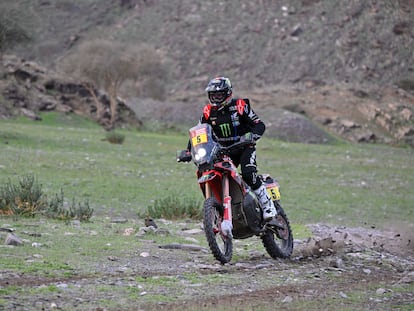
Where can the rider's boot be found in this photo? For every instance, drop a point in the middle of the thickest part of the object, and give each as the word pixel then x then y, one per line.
pixel 268 208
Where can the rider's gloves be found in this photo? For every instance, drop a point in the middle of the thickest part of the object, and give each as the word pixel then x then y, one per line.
pixel 248 137
pixel 183 156
pixel 226 228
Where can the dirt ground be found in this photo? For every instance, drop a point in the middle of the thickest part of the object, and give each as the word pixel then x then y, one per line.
pixel 341 268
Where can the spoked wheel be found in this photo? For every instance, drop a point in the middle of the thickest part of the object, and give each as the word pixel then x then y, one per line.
pixel 220 245
pixel 277 241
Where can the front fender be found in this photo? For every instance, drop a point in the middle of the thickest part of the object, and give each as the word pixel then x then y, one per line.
pixel 214 180
pixel 208 176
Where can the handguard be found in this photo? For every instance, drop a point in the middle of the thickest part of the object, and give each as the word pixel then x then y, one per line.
pixel 248 137
pixel 183 156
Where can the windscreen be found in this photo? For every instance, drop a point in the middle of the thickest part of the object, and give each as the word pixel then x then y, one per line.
pixel 203 144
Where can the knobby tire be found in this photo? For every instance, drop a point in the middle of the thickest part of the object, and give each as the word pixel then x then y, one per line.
pixel 220 246
pixel 280 244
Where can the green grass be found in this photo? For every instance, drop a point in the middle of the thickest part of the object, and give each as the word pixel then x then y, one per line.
pixel 89 242
pixel 117 179
pixel 342 184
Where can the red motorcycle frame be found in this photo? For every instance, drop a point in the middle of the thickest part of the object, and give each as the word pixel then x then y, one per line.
pixel 231 209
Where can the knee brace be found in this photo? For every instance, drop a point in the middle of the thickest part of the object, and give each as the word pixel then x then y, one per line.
pixel 249 175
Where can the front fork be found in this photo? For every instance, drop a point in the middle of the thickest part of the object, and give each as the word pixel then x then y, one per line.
pixel 227 222
pixel 226 200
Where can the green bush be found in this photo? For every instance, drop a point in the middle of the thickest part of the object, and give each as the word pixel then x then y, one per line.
pixel 28 199
pixel 56 209
pixel 115 138
pixel 174 207
pixel 406 84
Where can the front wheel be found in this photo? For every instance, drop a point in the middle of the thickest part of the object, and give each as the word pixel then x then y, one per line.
pixel 221 246
pixel 279 242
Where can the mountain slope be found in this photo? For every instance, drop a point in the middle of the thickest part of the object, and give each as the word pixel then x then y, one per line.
pixel 258 43
pixel 334 61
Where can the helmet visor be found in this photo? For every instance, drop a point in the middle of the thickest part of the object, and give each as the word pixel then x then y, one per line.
pixel 217 97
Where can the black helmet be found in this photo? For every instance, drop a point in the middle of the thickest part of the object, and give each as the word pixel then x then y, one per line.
pixel 219 91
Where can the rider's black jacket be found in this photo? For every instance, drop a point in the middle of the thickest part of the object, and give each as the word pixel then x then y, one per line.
pixel 232 121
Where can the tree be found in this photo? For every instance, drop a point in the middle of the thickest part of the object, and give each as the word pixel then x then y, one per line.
pixel 107 65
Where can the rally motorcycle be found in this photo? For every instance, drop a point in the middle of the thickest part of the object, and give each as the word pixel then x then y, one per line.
pixel 229 199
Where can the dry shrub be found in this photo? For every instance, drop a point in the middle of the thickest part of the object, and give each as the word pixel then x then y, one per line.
pixel 107 65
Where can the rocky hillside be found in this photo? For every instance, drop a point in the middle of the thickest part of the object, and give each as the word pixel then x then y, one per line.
pixel 257 43
pixel 345 66
pixel 28 88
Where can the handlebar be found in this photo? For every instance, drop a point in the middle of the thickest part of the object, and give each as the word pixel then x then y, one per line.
pixel 235 146
pixel 185 155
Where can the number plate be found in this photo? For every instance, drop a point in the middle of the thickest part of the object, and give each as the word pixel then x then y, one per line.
pixel 273 191
pixel 199 137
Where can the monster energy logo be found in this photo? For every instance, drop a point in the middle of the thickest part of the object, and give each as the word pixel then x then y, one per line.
pixel 225 129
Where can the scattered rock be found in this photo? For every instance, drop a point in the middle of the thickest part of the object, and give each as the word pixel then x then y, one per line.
pixel 296 31
pixel 76 223
pixel 192 240
pixel 192 231
pixel 337 263
pixel 7 229
pixel 190 247
pixel 401 28
pixel 380 291
pixel 366 271
pixel 150 222
pixel 119 220
pixel 159 231
pixel 343 295
pixel 128 231
pixel 12 239
pixel 30 114
pixel 407 279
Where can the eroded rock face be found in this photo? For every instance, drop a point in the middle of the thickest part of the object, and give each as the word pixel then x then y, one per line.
pixel 306 113
pixel 30 88
pixel 373 115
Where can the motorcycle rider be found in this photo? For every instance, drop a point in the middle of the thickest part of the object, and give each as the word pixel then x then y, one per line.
pixel 233 120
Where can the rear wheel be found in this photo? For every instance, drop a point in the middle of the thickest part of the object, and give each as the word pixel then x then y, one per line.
pixel 277 241
pixel 221 246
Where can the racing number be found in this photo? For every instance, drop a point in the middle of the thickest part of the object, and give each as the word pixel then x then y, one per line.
pixel 199 138
pixel 274 193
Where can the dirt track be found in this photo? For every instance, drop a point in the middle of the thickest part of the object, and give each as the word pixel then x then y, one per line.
pixel 361 269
